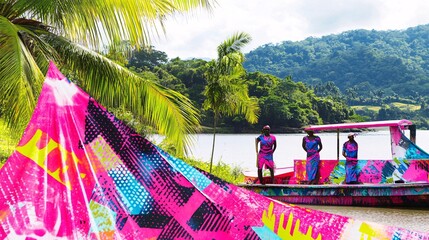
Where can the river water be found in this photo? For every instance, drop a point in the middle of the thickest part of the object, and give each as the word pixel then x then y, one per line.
pixel 239 150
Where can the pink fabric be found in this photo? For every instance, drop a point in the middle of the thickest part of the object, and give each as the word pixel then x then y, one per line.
pixel 265 163
pixel 266 147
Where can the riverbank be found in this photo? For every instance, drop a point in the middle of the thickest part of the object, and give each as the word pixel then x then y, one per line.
pixel 231 130
pixel 274 130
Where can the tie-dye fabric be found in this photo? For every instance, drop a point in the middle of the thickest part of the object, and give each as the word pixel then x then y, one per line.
pixel 313 156
pixel 80 173
pixel 265 155
pixel 351 151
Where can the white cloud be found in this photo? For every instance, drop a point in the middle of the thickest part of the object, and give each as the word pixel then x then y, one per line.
pixel 275 21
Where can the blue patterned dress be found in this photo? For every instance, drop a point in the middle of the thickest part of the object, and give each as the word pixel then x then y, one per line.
pixel 351 151
pixel 313 156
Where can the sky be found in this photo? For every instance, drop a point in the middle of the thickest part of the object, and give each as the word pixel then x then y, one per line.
pixel 198 34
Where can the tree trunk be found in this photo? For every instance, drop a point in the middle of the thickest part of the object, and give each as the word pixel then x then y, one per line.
pixel 214 140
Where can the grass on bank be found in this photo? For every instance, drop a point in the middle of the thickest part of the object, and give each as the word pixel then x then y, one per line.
pixel 364 107
pixel 231 174
pixel 221 170
pixel 7 145
pixel 402 106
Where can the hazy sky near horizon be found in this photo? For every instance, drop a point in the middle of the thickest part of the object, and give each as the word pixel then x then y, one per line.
pixel 197 35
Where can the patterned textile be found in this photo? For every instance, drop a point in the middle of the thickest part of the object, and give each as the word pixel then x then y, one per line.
pixel 80 173
pixel 265 155
pixel 351 151
pixel 313 156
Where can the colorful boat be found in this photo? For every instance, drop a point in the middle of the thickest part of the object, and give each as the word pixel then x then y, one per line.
pixel 401 181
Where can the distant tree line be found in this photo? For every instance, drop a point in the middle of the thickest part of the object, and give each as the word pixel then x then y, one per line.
pixel 371 68
pixel 396 62
pixel 285 104
pixel 318 80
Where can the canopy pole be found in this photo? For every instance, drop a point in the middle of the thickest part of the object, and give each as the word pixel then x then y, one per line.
pixel 338 144
pixel 412 129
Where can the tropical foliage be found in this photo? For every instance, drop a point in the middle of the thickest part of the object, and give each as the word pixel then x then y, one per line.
pixel 6 143
pixel 382 69
pixel 285 104
pixel 34 32
pixel 225 92
pixel 365 65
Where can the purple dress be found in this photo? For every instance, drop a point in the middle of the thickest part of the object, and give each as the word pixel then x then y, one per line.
pixel 265 156
pixel 313 156
pixel 351 151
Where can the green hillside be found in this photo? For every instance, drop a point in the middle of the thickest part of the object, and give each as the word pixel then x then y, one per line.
pixel 6 143
pixel 362 62
pixel 380 74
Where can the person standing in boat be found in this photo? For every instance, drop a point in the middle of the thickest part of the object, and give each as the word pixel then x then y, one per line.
pixel 264 153
pixel 350 152
pixel 312 144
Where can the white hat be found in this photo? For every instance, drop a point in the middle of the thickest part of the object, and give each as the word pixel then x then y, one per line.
pixel 351 135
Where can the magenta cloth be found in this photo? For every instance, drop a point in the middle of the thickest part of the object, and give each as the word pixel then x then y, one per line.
pixel 313 156
pixel 265 155
pixel 78 172
pixel 351 151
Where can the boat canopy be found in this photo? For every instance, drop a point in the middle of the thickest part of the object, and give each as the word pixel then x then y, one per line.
pixel 395 126
pixel 375 124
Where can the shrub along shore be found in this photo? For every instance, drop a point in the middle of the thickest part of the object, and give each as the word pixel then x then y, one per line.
pixel 7 144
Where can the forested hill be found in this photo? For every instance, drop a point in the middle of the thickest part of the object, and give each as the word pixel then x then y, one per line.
pixel 395 63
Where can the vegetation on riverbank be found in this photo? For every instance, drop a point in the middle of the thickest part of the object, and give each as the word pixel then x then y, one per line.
pixel 7 144
pixel 221 170
pixel 354 76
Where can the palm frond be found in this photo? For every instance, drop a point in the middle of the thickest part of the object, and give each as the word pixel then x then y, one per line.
pixel 29 27
pixel 20 77
pixel 171 113
pixel 104 22
pixel 225 92
pixel 233 44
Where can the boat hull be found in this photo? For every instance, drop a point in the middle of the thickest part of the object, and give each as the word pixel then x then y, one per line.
pixel 412 195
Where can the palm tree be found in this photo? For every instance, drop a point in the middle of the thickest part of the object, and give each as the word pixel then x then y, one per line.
pixel 33 32
pixel 225 92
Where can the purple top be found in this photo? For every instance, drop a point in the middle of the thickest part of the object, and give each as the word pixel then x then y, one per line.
pixel 267 143
pixel 351 150
pixel 312 145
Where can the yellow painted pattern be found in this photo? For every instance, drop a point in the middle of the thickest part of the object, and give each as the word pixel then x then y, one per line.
pixel 101 150
pixel 40 155
pixel 269 220
pixel 104 218
pixel 369 232
pixel 284 233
